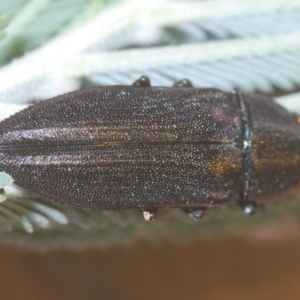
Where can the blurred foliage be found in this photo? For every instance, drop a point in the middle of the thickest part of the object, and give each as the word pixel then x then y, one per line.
pixel 35 22
pixel 4 21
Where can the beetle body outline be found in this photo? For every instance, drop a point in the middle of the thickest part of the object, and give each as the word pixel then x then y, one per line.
pixel 142 147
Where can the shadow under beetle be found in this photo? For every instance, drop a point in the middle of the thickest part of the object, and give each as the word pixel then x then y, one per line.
pixel 142 147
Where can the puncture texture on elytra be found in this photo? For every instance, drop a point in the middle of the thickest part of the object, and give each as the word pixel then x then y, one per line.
pixel 142 147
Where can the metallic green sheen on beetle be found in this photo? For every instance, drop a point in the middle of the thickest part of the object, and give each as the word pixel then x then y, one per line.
pixel 142 147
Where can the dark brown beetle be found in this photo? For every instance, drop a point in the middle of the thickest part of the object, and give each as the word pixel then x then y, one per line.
pixel 142 147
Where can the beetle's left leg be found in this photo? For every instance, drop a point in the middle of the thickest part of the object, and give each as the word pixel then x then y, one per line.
pixel 144 81
pixel 195 213
pixel 183 83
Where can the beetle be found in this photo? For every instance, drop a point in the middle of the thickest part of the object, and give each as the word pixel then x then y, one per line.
pixel 143 147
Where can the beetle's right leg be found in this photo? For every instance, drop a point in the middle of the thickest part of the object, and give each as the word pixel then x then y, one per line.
pixel 196 213
pixel 149 214
pixel 248 207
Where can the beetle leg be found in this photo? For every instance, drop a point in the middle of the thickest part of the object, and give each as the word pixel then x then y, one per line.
pixel 195 213
pixel 143 81
pixel 248 207
pixel 183 83
pixel 149 214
